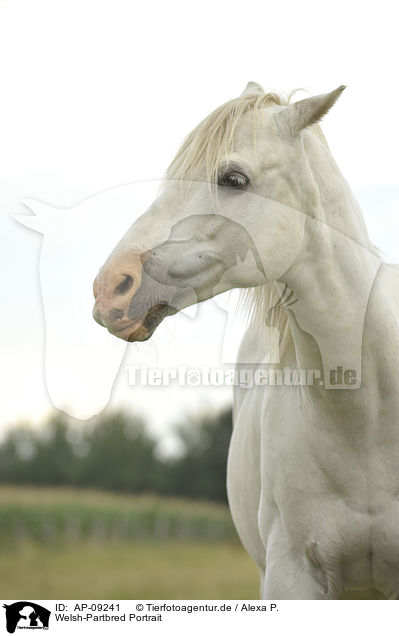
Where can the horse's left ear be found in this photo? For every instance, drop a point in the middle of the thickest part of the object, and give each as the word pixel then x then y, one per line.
pixel 306 112
pixel 252 88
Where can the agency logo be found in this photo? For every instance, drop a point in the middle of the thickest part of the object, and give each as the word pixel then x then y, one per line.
pixel 26 615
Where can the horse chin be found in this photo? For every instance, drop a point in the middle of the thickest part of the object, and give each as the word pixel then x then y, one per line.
pixel 144 329
pixel 141 334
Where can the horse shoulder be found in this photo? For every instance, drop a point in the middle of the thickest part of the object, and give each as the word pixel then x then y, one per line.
pixel 390 274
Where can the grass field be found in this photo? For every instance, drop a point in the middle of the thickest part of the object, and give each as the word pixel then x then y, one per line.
pixel 60 544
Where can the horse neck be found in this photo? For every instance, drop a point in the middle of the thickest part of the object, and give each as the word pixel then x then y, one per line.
pixel 337 206
pixel 333 275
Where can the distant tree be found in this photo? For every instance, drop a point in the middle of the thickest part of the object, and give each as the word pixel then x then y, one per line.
pixel 114 451
pixel 16 453
pixel 201 470
pixel 121 454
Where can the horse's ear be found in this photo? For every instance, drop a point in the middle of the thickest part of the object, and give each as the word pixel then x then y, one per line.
pixel 306 112
pixel 252 88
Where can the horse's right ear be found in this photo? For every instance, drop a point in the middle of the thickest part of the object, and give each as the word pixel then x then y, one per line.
pixel 306 112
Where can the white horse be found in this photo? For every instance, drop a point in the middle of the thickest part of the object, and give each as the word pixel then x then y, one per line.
pixel 254 200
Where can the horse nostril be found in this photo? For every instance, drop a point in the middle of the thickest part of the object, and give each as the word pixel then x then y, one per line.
pixel 115 314
pixel 124 286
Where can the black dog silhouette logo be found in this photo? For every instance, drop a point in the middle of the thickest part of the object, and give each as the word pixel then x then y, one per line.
pixel 26 615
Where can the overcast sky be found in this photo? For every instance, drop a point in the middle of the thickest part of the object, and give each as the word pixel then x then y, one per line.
pixel 95 94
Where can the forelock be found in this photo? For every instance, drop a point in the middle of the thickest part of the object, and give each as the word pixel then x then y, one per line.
pixel 213 138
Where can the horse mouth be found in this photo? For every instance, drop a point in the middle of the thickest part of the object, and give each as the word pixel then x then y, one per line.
pixel 139 331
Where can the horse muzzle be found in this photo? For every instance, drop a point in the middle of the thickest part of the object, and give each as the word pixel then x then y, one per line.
pixel 128 302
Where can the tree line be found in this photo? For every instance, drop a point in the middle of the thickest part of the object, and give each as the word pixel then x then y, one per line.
pixel 115 451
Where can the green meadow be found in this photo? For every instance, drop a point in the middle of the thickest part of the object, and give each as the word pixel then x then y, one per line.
pixel 81 544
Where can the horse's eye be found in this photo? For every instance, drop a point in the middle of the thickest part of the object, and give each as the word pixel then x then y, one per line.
pixel 234 179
